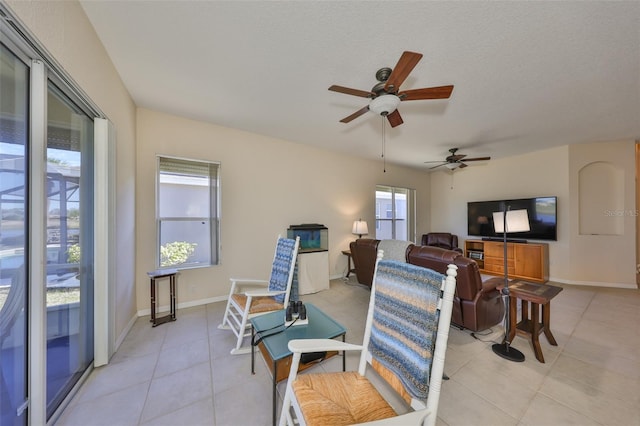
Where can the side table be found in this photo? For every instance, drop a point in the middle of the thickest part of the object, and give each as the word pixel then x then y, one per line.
pixel 156 275
pixel 532 295
pixel 349 268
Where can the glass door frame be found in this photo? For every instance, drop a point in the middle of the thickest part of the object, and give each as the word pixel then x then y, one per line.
pixel 44 68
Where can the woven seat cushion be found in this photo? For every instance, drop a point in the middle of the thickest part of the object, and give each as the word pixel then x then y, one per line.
pixel 258 304
pixel 339 399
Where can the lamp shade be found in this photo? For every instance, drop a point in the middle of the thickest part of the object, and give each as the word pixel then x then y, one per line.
pixel 360 228
pixel 517 221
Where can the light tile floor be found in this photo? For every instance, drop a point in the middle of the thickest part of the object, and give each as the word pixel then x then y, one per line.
pixel 181 373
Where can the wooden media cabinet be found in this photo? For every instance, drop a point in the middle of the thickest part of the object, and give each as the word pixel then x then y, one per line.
pixel 525 261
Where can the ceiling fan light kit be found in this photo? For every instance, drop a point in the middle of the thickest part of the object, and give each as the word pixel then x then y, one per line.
pixel 384 105
pixel 452 166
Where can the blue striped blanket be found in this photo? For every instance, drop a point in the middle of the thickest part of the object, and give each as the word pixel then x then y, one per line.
pixel 405 322
pixel 281 266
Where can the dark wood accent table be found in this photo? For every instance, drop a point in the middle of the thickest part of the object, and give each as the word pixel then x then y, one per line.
pixel 349 268
pixel 534 295
pixel 156 275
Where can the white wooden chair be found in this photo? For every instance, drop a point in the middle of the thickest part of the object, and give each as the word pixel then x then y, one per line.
pixel 405 340
pixel 264 296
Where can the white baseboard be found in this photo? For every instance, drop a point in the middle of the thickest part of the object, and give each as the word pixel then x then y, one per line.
pixel 594 283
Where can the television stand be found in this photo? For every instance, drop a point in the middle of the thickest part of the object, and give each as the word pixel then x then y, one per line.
pixel 526 261
pixel 509 240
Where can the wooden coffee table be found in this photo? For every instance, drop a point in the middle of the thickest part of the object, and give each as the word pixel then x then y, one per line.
pixel 275 346
pixel 532 295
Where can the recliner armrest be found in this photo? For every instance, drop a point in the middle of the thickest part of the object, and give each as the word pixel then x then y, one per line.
pixel 492 284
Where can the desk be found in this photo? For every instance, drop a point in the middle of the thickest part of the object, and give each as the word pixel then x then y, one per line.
pixel 349 269
pixel 532 295
pixel 275 349
pixel 156 275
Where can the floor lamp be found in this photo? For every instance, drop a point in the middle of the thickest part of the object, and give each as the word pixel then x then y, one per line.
pixel 508 221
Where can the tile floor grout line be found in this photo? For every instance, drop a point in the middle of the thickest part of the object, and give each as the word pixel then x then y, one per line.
pixel 209 345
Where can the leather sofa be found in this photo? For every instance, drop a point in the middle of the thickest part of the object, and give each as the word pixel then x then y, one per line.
pixel 477 305
pixel 443 240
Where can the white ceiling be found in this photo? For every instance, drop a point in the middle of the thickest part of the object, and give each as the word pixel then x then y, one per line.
pixel 527 75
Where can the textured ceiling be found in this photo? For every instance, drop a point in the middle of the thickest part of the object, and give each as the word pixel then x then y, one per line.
pixel 527 75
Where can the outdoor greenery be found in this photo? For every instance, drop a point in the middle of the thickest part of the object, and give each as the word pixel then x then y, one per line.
pixel 176 253
pixel 55 296
pixel 63 295
pixel 73 254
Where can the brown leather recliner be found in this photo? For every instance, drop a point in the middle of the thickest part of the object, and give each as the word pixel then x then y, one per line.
pixel 364 252
pixel 476 305
pixel 443 240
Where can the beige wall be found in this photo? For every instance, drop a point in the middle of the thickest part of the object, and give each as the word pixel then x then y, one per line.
pixel 604 258
pixel 267 185
pixel 64 30
pixel 576 259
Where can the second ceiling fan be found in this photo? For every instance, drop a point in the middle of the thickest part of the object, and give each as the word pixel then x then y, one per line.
pixel 455 161
pixel 386 94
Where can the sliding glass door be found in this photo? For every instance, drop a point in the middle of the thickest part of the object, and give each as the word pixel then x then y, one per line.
pixel 64 245
pixel 69 245
pixel 14 106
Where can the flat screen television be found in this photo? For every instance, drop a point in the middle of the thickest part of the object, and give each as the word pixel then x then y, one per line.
pixel 542 213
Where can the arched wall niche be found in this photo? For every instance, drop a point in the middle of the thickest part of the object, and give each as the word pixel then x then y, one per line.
pixel 601 199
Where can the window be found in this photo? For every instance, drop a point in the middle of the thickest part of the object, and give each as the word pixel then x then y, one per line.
pixel 395 216
pixel 187 213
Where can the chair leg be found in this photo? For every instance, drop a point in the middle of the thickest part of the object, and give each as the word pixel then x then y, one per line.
pixel 285 414
pixel 225 325
pixel 238 350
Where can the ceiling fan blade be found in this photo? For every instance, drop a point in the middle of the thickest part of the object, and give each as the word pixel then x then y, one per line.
pixel 395 119
pixel 349 91
pixel 355 115
pixel 439 165
pixel 403 68
pixel 440 92
pixel 478 159
pixel 462 166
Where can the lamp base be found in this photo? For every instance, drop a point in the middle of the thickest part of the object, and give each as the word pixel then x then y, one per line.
pixel 508 352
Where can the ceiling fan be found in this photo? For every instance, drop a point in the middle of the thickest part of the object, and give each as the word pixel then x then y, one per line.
pixel 386 94
pixel 455 161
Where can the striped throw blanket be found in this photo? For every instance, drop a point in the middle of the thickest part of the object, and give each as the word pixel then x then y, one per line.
pixel 281 265
pixel 405 322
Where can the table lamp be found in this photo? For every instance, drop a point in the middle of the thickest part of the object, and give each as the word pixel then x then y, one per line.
pixel 360 228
